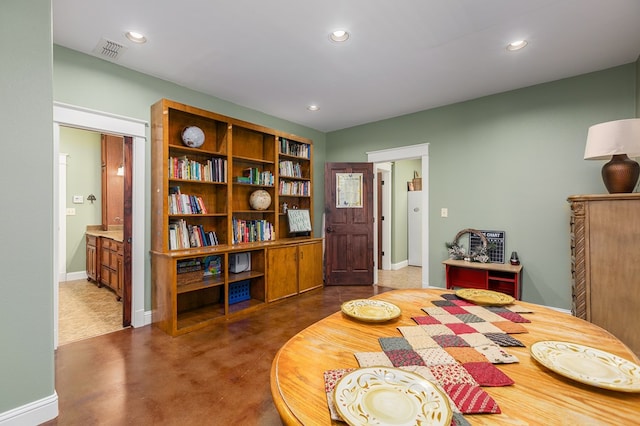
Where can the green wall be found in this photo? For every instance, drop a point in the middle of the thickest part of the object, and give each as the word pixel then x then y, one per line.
pixel 508 162
pixel 89 82
pixel 84 177
pixel 26 252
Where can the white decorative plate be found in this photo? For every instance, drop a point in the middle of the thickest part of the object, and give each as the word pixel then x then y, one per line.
pixel 390 396
pixel 484 297
pixel 370 310
pixel 588 365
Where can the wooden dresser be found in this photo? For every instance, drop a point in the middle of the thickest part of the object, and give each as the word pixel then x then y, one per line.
pixel 605 263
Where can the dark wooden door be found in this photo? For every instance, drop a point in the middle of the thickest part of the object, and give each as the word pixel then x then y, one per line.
pixel 126 230
pixel 349 223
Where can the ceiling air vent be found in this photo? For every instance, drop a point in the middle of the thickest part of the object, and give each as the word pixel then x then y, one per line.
pixel 108 49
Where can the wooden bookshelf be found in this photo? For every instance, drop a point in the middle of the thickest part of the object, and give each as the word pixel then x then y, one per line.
pixel 219 219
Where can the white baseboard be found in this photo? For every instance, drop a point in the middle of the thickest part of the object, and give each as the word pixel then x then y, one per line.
pixel 33 413
pixel 72 276
pixel 400 265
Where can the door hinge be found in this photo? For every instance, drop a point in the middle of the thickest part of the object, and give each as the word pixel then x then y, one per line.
pixel 381 217
pixel 382 253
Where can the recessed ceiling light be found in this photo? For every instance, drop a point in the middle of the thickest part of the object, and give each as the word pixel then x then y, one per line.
pixel 516 45
pixel 339 36
pixel 313 107
pixel 136 37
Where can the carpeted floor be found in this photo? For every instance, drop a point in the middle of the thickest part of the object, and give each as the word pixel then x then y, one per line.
pixel 86 311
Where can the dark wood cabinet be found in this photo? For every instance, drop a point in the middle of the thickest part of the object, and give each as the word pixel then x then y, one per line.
pixel 111 271
pixel 604 263
pixel 92 258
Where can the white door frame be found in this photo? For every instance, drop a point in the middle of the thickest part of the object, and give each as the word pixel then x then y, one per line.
pixel 102 122
pixel 410 152
pixel 385 170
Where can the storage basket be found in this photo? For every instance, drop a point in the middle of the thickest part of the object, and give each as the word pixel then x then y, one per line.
pixel 239 291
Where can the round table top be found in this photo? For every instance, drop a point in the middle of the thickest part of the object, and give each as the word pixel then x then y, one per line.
pixel 539 396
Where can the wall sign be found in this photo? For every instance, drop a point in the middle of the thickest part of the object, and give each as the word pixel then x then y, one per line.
pixel 348 190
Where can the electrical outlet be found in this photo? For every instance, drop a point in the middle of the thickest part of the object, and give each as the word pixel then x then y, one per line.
pixel 71 211
pixel 444 212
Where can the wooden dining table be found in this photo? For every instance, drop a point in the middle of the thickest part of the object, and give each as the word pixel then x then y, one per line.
pixel 539 396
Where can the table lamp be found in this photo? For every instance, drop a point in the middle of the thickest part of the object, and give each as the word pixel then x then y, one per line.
pixel 616 140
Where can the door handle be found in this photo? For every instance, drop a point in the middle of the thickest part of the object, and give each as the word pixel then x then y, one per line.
pixel 329 229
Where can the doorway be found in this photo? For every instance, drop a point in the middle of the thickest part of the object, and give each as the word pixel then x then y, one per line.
pixel 77 117
pixel 92 195
pixel 380 158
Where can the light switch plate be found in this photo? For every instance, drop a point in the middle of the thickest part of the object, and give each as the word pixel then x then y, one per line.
pixel 78 199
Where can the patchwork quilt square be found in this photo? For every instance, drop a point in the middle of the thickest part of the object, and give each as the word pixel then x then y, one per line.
pixel 496 355
pixel 453 310
pixel 486 374
pixel 466 355
pixel 510 327
pixel 442 303
pixel 422 342
pixel 485 327
pixel 435 311
pixel 371 359
pixel 469 318
pixel 476 339
pixel 482 312
pixel 452 374
pixel 461 328
pixel 435 356
pixel 437 329
pixel 393 343
pixel 471 399
pixel 404 357
pixel 503 339
pixel 425 320
pixel 448 340
pixel 412 330
pixel 514 317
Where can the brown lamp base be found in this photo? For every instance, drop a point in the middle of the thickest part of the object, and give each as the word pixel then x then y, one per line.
pixel 620 175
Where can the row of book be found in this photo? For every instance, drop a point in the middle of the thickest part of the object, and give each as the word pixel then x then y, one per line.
pixel 290 169
pixel 247 231
pixel 252 175
pixel 295 188
pixel 188 265
pixel 185 204
pixel 183 235
pixel 213 170
pixel 296 149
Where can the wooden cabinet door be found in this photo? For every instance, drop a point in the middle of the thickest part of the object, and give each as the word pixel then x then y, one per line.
pixel 92 258
pixel 282 272
pixel 310 266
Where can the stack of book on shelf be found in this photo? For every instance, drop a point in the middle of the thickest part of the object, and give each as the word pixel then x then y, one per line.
pixel 188 271
pixel 290 169
pixel 247 231
pixel 183 235
pixel 294 188
pixel 213 170
pixel 185 204
pixel 295 149
pixel 252 175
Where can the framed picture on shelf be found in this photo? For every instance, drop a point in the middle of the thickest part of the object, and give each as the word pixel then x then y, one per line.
pixel 299 221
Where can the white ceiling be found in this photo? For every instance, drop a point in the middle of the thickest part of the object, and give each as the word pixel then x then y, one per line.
pixel 403 56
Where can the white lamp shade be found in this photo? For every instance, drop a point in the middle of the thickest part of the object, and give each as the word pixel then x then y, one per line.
pixel 612 138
